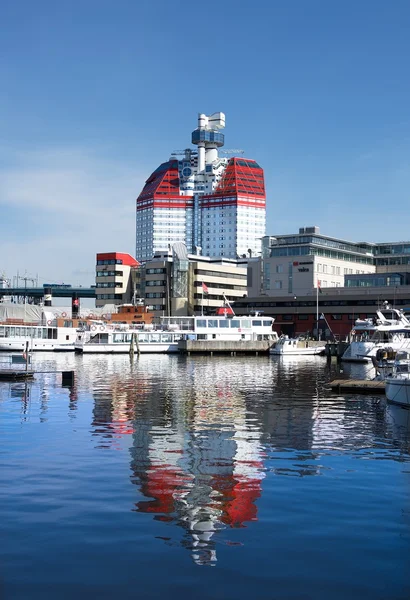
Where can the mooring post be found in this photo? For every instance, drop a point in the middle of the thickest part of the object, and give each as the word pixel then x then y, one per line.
pixel 68 378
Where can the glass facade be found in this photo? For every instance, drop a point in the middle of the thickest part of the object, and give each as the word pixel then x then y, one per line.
pixel 377 280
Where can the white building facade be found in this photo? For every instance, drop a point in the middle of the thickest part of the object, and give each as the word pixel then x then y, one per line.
pixel 203 200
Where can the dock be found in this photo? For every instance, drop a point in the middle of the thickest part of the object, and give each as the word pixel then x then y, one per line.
pixel 361 386
pixel 15 374
pixel 335 349
pixel 224 347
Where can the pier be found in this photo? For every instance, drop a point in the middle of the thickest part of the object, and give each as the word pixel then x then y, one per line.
pixel 224 347
pixel 335 349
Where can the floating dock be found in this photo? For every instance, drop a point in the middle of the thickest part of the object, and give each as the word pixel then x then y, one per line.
pixel 224 347
pixel 15 374
pixel 361 386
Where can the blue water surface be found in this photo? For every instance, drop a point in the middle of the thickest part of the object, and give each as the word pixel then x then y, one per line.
pixel 203 477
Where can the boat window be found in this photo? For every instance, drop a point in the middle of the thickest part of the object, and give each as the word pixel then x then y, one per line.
pixel 267 323
pixel 201 323
pixel 128 337
pixel 118 338
pixel 235 323
pixel 155 338
pixel 224 323
pixel 402 368
pixel 212 323
pixel 257 323
pixel 246 323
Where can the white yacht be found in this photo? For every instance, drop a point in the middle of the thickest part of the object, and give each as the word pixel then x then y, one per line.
pixel 390 330
pixel 398 382
pixel 297 346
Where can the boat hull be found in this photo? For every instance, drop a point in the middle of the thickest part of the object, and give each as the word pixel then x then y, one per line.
pixel 398 390
pixel 297 351
pixel 143 348
pixel 36 346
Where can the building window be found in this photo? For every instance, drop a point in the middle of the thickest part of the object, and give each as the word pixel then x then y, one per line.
pixel 278 285
pixel 279 268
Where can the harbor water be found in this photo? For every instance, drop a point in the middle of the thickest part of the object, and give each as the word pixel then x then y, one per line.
pixel 201 477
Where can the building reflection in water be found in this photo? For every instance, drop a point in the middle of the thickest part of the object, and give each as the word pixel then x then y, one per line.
pixel 202 433
pixel 200 465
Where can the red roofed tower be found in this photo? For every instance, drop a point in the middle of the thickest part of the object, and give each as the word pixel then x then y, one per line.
pixel 203 200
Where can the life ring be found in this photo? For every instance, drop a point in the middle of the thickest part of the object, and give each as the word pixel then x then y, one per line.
pixel 63 314
pixel 49 322
pixel 93 328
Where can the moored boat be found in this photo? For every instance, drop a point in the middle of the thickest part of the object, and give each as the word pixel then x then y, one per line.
pixel 44 332
pixel 390 330
pixel 398 382
pixel 165 336
pixel 297 346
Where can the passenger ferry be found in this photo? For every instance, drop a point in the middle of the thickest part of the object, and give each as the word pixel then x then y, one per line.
pixel 47 333
pixel 164 337
pixel 390 330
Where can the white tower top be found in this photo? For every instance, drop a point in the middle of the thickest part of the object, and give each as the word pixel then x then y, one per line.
pixel 207 137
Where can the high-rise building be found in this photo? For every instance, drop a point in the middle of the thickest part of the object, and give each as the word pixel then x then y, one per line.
pixel 206 201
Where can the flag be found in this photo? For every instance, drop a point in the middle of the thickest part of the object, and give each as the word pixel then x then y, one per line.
pixel 204 288
pixel 318 287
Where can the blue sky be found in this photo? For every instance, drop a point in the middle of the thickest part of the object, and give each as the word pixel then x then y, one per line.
pixel 95 94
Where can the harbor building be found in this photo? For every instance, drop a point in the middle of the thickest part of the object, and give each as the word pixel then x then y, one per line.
pixel 302 275
pixel 206 201
pixel 295 264
pixel 173 282
pixel 113 280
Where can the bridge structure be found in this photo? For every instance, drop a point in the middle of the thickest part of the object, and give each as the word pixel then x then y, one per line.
pixel 36 294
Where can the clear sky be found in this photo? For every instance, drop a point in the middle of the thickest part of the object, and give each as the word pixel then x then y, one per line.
pixel 96 94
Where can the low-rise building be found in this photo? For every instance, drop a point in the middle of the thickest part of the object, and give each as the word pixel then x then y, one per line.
pixel 113 278
pixel 172 283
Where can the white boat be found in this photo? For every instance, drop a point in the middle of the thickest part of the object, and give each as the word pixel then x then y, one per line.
pixel 297 346
pixel 390 330
pixel 41 331
pixel 165 336
pixel 398 382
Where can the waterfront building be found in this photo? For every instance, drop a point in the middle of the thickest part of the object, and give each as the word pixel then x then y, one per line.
pixel 301 275
pixel 176 282
pixel 113 281
pixel 173 282
pixel 203 200
pixel 337 308
pixel 295 264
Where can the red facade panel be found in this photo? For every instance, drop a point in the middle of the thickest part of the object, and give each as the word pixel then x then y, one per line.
pixel 127 259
